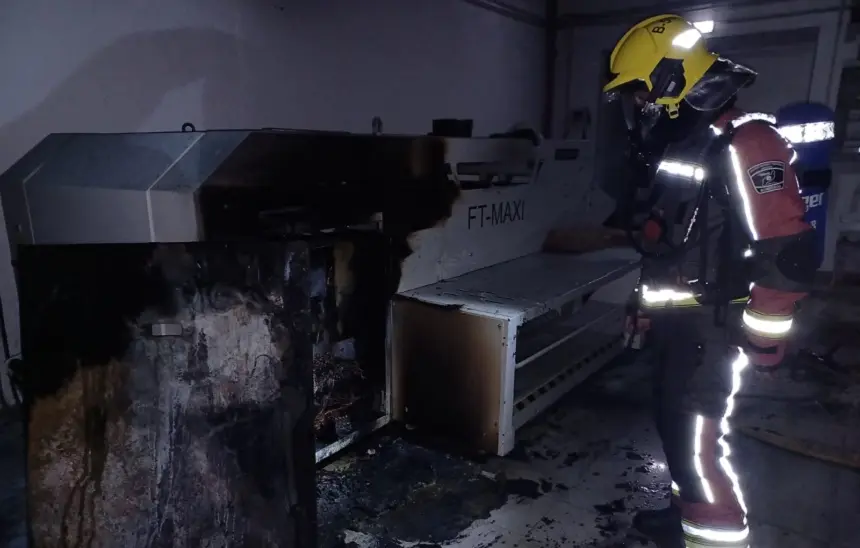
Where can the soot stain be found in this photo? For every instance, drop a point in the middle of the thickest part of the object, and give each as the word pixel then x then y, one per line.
pixel 407 493
pixel 523 488
pixel 613 507
pixel 572 458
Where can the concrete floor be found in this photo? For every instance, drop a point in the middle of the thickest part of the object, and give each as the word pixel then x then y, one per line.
pixel 794 502
pixel 577 475
pixel 595 460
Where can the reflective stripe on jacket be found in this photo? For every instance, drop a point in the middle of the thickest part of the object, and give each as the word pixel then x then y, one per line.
pixel 655 298
pixel 767 326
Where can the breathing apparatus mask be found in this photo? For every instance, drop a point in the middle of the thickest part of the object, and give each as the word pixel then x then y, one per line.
pixel 639 113
pixel 650 126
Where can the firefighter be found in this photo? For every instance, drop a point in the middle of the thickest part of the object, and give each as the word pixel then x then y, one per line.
pixel 727 256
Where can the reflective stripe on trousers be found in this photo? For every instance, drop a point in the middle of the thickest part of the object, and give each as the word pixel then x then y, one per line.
pixel 718 480
pixel 696 536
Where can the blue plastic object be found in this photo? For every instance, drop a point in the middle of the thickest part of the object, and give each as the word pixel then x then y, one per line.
pixel 816 215
pixel 810 128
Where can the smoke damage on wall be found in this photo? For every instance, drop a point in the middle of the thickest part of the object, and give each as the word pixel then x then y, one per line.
pixel 168 391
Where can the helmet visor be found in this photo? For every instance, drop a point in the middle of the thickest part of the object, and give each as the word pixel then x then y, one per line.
pixel 719 84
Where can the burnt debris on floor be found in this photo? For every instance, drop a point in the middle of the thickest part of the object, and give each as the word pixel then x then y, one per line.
pixel 399 492
pixel 560 488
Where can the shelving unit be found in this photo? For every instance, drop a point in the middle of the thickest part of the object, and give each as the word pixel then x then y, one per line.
pixel 476 357
pixel 592 337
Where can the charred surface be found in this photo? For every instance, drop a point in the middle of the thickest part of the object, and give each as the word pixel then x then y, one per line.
pixel 275 181
pixel 402 494
pixel 168 395
pixel 350 291
pixel 277 184
pixel 268 189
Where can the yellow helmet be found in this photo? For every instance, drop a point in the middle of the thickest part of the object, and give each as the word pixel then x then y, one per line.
pixel 664 52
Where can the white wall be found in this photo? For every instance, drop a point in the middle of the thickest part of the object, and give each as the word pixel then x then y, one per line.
pixel 148 65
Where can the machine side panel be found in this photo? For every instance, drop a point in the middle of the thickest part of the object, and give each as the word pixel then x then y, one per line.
pixel 71 215
pixel 448 372
pixel 169 392
pixel 12 184
pixel 127 161
pixel 501 223
pixel 174 217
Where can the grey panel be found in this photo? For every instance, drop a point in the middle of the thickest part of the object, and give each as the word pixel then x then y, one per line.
pixel 49 147
pixel 15 209
pixel 174 217
pixel 120 161
pixel 199 162
pixel 69 215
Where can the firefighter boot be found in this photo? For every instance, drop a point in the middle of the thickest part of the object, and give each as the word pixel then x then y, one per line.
pixel 707 525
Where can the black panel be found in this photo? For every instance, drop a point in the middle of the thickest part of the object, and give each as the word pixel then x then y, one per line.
pixel 317 181
pixel 168 395
pixel 566 154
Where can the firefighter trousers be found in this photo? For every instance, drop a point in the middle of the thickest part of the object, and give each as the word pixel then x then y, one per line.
pixel 698 368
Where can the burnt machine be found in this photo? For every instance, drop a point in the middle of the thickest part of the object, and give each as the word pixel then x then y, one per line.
pixel 202 313
pixel 207 315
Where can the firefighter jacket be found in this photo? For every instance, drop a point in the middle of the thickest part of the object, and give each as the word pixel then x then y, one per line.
pixel 730 214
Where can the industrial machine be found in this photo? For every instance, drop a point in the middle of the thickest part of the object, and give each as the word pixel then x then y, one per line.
pixel 206 315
